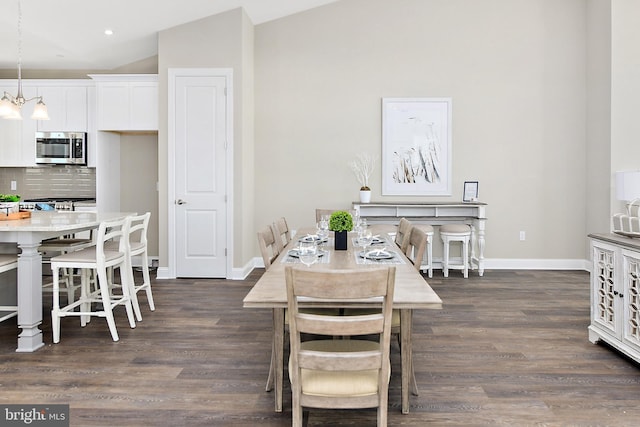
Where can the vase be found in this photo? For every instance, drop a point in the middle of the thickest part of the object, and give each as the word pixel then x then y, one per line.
pixel 340 239
pixel 365 196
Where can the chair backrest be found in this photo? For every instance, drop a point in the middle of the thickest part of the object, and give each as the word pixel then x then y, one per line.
pixel 283 234
pixel 340 285
pixel 402 235
pixel 111 230
pixel 417 244
pixel 269 248
pixel 137 226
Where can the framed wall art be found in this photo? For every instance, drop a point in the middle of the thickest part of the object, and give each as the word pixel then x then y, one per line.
pixel 416 146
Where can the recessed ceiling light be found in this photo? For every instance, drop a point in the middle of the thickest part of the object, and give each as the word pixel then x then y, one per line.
pixel 108 32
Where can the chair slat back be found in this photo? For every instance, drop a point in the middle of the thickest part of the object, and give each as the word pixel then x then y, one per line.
pixel 402 235
pixel 417 244
pixel 111 230
pixel 343 285
pixel 283 234
pixel 268 247
pixel 138 226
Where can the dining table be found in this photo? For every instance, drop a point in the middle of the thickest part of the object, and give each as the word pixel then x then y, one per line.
pixel 28 234
pixel 412 292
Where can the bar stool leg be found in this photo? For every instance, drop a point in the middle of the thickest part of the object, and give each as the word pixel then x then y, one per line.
pixel 445 263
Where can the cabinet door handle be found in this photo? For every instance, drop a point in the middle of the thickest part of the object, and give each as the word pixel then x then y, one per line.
pixel 180 202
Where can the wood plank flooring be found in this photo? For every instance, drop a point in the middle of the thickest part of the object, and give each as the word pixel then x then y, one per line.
pixel 507 349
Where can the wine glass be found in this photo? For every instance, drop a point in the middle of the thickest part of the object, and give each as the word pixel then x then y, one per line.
pixel 365 239
pixel 308 253
pixel 323 229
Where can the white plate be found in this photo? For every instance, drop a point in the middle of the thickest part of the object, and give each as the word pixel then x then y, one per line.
pixel 294 253
pixel 377 256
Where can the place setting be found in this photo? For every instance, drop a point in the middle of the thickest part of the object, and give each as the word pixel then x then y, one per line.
pixel 377 255
pixel 307 252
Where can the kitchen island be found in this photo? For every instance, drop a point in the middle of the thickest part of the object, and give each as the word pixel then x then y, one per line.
pixel 28 234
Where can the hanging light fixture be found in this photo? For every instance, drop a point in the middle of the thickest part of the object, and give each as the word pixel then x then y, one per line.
pixel 11 106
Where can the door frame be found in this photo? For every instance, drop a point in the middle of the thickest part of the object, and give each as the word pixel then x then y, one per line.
pixel 174 73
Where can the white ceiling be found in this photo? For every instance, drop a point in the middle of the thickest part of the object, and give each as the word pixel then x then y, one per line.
pixel 69 34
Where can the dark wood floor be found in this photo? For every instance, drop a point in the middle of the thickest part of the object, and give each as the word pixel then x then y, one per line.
pixel 509 348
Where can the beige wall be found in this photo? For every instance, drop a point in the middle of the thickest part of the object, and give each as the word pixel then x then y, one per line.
pixel 625 89
pixel 139 175
pixel 514 69
pixel 598 178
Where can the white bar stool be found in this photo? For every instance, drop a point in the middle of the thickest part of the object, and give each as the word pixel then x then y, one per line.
pixel 455 233
pixel 428 230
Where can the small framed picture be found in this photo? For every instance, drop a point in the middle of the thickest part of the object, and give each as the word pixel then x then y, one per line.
pixel 470 193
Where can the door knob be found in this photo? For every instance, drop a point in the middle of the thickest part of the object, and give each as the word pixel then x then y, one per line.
pixel 180 202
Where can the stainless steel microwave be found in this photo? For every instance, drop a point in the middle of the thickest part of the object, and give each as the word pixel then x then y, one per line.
pixel 61 148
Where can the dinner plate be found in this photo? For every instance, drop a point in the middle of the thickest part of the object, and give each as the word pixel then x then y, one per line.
pixel 312 239
pixel 374 241
pixel 377 256
pixel 295 253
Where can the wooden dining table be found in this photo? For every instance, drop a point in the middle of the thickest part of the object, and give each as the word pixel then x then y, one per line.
pixel 412 292
pixel 28 234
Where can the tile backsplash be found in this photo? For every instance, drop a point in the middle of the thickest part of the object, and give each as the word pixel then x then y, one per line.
pixel 49 181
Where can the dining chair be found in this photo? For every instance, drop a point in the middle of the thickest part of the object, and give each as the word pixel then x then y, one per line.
pixel 136 227
pixel 402 234
pixel 268 245
pixel 8 263
pixel 282 232
pixel 339 373
pixel 100 259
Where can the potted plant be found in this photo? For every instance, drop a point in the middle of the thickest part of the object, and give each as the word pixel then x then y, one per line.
pixel 362 167
pixel 340 223
pixel 9 203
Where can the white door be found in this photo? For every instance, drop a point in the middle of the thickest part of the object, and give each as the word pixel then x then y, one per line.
pixel 200 176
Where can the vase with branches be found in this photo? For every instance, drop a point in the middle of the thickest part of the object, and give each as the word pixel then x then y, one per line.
pixel 362 168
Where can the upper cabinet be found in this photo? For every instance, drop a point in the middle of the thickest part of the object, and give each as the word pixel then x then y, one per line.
pixel 127 102
pixel 67 106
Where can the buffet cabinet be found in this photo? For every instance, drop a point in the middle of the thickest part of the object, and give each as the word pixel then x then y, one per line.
pixel 615 292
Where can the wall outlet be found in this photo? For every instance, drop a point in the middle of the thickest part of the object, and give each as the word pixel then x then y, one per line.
pixel 14 185
pixel 522 236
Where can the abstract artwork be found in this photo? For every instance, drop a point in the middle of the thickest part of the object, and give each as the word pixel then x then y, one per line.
pixel 416 146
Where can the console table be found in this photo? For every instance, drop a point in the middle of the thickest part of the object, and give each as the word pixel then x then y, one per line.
pixel 471 213
pixel 615 292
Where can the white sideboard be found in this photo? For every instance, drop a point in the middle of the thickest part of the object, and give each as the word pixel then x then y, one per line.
pixel 471 213
pixel 615 292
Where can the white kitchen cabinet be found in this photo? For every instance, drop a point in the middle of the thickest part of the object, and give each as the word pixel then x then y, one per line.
pixel 17 137
pixel 127 102
pixel 67 106
pixel 615 293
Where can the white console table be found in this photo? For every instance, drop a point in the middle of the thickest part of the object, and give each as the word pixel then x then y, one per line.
pixel 471 213
pixel 615 292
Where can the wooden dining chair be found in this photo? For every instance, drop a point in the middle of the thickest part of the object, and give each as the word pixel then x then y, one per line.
pixel 282 232
pixel 402 234
pixel 8 263
pixel 339 373
pixel 268 245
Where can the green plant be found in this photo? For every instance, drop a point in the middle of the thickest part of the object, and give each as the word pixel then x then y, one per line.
pixel 9 197
pixel 340 221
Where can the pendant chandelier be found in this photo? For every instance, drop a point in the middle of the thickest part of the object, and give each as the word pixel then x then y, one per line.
pixel 11 106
